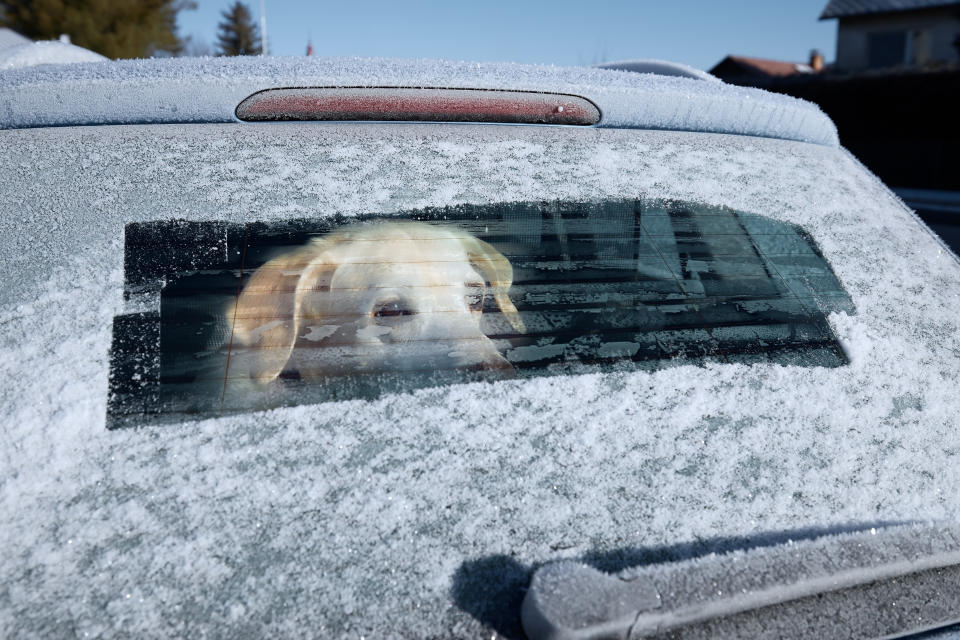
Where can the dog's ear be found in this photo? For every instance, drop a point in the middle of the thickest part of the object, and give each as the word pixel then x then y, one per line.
pixel 495 269
pixel 267 316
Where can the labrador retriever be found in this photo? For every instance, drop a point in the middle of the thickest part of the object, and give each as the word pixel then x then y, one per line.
pixel 389 296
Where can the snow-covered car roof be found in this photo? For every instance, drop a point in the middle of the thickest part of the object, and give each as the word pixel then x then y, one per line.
pixel 658 67
pixel 209 90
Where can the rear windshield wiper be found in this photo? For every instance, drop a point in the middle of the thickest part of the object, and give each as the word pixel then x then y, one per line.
pixel 881 583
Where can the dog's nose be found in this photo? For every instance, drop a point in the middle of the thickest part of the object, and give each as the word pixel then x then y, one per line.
pixel 393 309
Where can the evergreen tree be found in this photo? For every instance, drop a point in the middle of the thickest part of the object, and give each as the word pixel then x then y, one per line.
pixel 114 28
pixel 238 35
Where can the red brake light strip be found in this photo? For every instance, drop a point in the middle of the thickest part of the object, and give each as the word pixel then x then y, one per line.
pixel 417 105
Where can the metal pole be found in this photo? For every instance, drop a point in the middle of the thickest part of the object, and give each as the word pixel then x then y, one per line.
pixel 263 27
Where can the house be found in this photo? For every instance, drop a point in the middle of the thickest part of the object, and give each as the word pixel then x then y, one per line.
pixel 757 71
pixel 877 34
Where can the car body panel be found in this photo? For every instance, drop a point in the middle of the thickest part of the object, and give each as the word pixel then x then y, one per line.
pixel 422 514
pixel 209 90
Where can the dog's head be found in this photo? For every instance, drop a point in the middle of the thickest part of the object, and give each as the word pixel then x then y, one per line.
pixel 387 296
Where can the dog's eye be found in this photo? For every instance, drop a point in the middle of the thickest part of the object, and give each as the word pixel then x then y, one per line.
pixel 391 309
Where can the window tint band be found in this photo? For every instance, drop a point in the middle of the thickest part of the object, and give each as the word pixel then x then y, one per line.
pixel 224 317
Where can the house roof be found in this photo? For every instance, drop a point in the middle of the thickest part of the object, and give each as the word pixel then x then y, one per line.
pixel 10 38
pixel 844 8
pixel 762 67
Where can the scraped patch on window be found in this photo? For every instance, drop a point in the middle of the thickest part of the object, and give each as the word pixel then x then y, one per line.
pixel 224 317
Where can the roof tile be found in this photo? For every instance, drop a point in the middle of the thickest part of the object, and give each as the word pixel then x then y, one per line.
pixel 844 8
pixel 772 67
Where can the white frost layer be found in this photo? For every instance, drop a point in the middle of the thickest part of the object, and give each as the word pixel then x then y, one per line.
pixel 46 52
pixel 209 90
pixel 359 517
pixel 660 67
pixel 10 38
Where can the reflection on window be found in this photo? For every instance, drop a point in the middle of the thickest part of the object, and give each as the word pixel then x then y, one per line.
pixel 228 317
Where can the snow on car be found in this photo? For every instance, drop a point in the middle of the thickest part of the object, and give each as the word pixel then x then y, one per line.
pixel 696 325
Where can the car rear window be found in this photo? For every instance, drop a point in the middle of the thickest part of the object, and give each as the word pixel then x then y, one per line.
pixel 225 317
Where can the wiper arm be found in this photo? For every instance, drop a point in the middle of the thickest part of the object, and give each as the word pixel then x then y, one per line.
pixel 879 583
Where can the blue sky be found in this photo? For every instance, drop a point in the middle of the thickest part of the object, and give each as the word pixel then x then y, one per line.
pixel 563 32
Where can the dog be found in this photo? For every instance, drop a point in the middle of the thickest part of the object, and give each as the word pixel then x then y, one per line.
pixel 388 296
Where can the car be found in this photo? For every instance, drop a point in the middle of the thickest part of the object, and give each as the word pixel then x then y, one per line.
pixel 385 348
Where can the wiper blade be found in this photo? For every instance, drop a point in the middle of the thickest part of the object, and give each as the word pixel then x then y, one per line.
pixel 880 583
